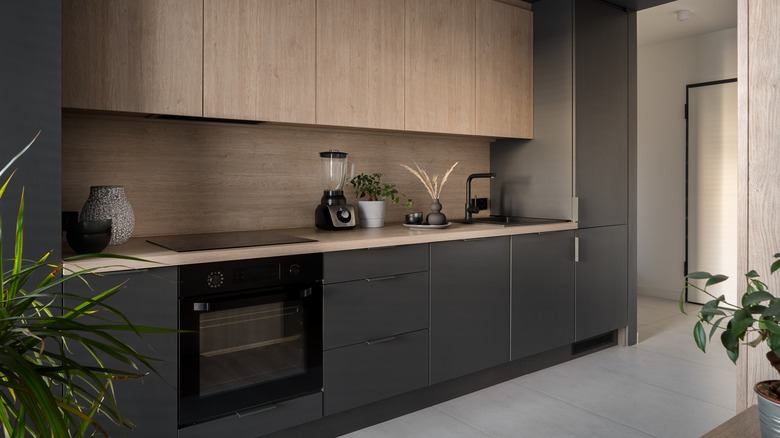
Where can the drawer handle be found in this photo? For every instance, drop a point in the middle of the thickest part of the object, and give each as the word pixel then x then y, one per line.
pixel 381 340
pixel 259 410
pixel 389 277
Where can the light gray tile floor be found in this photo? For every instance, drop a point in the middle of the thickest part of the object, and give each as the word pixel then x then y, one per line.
pixel 661 387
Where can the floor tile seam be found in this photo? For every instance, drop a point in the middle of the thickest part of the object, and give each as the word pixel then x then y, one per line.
pixel 470 426
pixel 658 323
pixel 641 379
pixel 649 350
pixel 582 408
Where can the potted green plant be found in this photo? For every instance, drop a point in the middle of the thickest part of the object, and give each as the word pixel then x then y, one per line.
pixel 755 320
pixel 371 210
pixel 43 390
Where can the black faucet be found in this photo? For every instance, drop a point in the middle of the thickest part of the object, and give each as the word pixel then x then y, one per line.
pixel 471 209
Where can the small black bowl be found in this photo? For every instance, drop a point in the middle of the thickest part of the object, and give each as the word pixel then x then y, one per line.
pixel 89 236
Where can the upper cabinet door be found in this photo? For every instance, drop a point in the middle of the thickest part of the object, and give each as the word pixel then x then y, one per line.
pixel 440 84
pixel 133 55
pixel 360 63
pixel 504 70
pixel 259 60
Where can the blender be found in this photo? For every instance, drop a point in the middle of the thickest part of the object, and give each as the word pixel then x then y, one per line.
pixel 334 213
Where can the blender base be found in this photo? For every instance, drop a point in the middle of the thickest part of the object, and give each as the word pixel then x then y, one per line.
pixel 335 217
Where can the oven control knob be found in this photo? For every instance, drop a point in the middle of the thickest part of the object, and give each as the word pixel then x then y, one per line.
pixel 295 270
pixel 215 279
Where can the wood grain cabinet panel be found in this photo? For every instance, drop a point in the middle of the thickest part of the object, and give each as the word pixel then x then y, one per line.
pixel 440 76
pixel 133 55
pixel 259 60
pixel 504 84
pixel 360 63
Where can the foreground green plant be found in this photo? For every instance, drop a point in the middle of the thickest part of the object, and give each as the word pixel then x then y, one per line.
pixel 756 319
pixel 43 390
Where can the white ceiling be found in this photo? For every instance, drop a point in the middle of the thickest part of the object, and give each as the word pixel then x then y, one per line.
pixel 659 24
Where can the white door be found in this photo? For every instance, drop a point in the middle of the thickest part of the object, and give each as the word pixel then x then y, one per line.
pixel 712 186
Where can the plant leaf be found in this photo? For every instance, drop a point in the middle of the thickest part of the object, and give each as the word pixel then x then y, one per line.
pixel 756 297
pixel 715 279
pixel 771 326
pixel 741 321
pixel 731 343
pixel 698 275
pixel 700 336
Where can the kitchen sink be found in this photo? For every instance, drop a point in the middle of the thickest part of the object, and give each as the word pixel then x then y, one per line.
pixel 511 221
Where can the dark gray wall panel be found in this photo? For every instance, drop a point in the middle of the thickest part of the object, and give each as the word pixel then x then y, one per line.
pixel 534 177
pixel 601 108
pixel 30 41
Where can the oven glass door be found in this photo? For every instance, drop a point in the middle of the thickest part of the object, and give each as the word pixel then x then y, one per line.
pixel 248 349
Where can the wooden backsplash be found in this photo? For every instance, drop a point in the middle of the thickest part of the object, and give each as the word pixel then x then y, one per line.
pixel 198 177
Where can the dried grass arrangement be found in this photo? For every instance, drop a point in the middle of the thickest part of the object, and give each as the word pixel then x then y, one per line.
pixel 432 185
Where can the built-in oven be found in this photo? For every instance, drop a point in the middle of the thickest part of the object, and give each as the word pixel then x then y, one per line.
pixel 251 335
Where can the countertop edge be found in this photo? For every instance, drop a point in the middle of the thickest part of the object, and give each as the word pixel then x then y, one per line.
pixel 326 241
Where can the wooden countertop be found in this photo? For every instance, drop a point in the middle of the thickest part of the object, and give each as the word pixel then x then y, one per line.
pixel 393 234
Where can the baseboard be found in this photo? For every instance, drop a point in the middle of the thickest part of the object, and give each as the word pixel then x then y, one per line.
pixel 658 293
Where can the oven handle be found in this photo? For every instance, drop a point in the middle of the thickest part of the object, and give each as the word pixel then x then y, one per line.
pixel 253 411
pixel 201 307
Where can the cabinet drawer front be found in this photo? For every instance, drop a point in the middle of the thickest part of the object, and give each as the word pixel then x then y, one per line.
pixel 375 262
pixel 363 373
pixel 359 311
pixel 280 416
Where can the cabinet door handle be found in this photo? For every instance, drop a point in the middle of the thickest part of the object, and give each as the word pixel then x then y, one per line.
pixel 389 277
pixel 253 411
pixel 381 340
pixel 576 249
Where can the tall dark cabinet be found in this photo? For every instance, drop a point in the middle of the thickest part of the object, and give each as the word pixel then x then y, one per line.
pixel 30 43
pixel 581 163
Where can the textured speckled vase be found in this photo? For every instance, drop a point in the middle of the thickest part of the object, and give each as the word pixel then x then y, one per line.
pixel 436 217
pixel 110 202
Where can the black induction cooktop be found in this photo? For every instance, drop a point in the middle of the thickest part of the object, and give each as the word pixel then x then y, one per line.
pixel 236 239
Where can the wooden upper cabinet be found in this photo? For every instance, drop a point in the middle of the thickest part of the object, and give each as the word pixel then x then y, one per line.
pixel 259 60
pixel 440 76
pixel 504 70
pixel 360 63
pixel 133 55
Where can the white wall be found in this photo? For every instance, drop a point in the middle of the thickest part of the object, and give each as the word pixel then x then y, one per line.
pixel 664 70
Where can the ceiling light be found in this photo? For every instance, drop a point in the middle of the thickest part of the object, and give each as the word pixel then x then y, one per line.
pixel 683 15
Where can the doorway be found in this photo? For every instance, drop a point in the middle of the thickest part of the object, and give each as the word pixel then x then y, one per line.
pixel 711 185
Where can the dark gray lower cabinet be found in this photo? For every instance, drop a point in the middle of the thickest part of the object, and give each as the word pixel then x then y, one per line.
pixel 375 325
pixel 542 292
pixel 602 281
pixel 374 370
pixel 149 298
pixel 469 306
pixel 278 416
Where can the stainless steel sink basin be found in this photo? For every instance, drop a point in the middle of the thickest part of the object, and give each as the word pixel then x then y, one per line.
pixel 510 221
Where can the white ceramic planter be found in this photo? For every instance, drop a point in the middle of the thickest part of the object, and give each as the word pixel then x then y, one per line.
pixel 372 213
